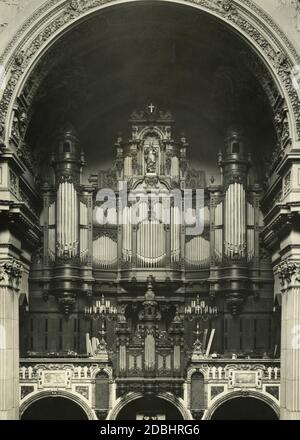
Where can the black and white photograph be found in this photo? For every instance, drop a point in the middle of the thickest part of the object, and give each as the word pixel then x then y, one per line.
pixel 149 213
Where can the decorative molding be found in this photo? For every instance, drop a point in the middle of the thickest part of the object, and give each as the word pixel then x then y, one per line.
pixel 33 397
pixel 131 396
pixel 224 397
pixel 83 390
pixel 216 390
pixel 289 272
pixel 273 390
pixel 11 272
pixel 25 390
pixel 54 378
pixel 244 378
pixel 66 303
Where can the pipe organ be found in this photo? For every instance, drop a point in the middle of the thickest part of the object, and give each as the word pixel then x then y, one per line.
pixel 142 252
pixel 150 231
pixel 236 207
pixel 235 221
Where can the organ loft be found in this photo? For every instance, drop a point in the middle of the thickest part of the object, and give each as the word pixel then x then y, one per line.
pixel 149 273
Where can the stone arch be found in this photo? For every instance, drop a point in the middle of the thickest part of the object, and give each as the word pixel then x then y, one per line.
pixel 74 397
pixel 121 402
pixel 155 130
pixel 203 370
pixel 268 400
pixel 106 370
pixel 248 20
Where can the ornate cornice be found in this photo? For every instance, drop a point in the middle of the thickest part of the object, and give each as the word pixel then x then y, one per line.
pixel 244 15
pixel 11 272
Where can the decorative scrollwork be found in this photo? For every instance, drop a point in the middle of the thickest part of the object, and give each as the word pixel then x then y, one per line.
pixel 67 303
pixel 288 271
pixel 12 270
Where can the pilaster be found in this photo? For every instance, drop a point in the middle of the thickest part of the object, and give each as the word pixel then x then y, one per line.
pixel 10 274
pixel 289 273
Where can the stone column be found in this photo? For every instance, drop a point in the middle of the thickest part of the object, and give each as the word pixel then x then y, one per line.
pixel 10 274
pixel 289 273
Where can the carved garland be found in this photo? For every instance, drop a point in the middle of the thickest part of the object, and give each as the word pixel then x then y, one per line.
pixel 287 271
pixel 11 269
pixel 228 9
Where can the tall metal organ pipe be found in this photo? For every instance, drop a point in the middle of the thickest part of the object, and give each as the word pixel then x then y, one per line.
pixel 234 164
pixel 67 220
pixel 235 221
pixel 67 162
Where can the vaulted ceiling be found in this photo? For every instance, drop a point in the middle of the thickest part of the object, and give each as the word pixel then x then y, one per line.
pixel 131 55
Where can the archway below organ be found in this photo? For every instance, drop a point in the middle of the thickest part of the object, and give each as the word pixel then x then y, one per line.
pixel 244 408
pixel 149 408
pixel 54 408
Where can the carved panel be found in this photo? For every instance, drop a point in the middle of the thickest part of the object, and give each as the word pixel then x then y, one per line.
pixel 84 391
pixel 25 390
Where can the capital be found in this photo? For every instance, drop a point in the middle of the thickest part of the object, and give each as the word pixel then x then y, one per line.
pixel 289 273
pixel 11 272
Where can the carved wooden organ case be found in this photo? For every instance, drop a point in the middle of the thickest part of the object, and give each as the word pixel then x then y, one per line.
pixel 85 241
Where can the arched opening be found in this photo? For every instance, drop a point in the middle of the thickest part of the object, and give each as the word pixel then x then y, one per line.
pixel 197 392
pixel 195 71
pixel 199 69
pixel 149 408
pixel 244 408
pixel 54 408
pixel 101 391
pixel 206 86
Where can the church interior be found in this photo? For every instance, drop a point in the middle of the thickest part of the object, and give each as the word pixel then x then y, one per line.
pixel 147 318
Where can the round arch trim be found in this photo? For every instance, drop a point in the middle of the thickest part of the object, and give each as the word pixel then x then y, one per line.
pixel 32 398
pixel 121 402
pixel 240 393
pixel 56 17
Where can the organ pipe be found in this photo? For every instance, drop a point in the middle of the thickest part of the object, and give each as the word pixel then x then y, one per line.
pixel 105 252
pixel 250 231
pixel 197 252
pixel 175 234
pixel 83 232
pixel 219 231
pixel 51 231
pixel 235 221
pixel 151 248
pixel 127 234
pixel 128 166
pixel 67 220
